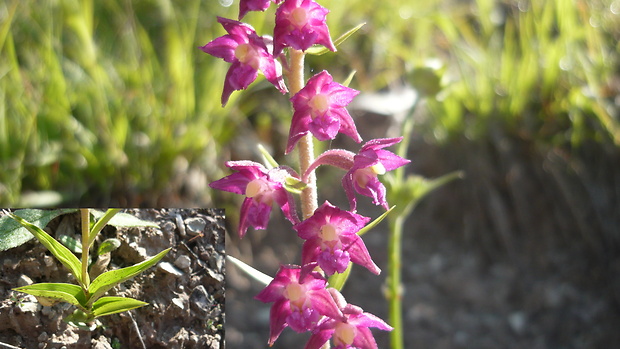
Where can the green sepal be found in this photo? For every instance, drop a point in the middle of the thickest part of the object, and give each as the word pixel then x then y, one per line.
pixel 268 160
pixel 13 234
pixel 319 50
pixel 50 293
pixel 111 278
pixel 112 305
pixel 63 254
pixel 294 185
pixel 337 280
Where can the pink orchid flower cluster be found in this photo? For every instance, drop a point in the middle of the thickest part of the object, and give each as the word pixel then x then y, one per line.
pixel 300 295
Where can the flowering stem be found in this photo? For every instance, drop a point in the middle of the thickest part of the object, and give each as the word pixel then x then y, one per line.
pixel 309 200
pixel 394 282
pixel 85 216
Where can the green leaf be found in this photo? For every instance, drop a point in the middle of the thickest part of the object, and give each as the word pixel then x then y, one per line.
pixel 108 245
pixel 111 278
pixel 255 274
pixel 112 305
pixel 66 257
pixel 49 293
pixel 319 50
pixel 13 234
pixel 123 220
pixel 101 222
pixel 71 243
pixel 374 223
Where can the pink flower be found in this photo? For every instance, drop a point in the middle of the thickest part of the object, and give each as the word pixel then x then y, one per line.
pixel 261 188
pixel 370 162
pixel 320 109
pixel 301 24
pixel 352 332
pixel 332 240
pixel 254 5
pixel 298 302
pixel 248 54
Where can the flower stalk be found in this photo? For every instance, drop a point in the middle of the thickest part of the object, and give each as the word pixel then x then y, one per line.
pixel 85 218
pixel 305 147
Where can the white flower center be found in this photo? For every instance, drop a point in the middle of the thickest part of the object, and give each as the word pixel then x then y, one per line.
pixel 254 188
pixel 246 54
pixel 328 232
pixel 319 103
pixel 299 17
pixel 344 334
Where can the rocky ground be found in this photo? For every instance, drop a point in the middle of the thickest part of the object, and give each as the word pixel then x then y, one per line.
pixel 185 290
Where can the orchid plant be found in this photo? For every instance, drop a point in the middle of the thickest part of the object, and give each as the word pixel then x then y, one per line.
pixel 306 297
pixel 93 280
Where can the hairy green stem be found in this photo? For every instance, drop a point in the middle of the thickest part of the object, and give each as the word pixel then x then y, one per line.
pixel 309 200
pixel 85 216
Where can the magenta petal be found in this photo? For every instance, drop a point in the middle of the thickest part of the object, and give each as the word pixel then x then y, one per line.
pixel 252 5
pixel 310 251
pixel 280 310
pixel 360 255
pixel 319 338
pixel 323 302
pixel 222 47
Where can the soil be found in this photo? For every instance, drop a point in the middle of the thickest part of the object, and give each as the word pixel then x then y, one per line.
pixel 523 252
pixel 185 290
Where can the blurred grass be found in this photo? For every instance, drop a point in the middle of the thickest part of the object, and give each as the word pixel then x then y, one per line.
pixel 102 97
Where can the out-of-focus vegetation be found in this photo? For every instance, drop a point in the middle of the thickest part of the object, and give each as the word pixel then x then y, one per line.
pixel 102 97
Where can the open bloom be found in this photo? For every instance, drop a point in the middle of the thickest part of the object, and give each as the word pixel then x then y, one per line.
pixel 352 332
pixel 299 302
pixel 332 240
pixel 261 188
pixel 320 109
pixel 248 54
pixel 371 161
pixel 301 24
pixel 254 5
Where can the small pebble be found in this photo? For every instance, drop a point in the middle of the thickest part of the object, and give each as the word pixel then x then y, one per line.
pixel 169 268
pixel 42 337
pixel 195 225
pixel 183 262
pixel 178 302
pixel 24 280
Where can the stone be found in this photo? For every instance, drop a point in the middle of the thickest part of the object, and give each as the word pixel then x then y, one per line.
pixel 183 262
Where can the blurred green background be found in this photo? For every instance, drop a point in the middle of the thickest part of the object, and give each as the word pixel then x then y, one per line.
pixel 111 102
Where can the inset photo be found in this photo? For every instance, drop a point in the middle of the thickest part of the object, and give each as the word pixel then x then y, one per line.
pixel 112 278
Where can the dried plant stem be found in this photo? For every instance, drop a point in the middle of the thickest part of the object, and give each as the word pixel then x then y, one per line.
pixel 305 147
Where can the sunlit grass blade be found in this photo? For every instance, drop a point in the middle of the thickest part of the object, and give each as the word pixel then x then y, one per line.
pixel 255 274
pixel 63 254
pixel 111 278
pixel 112 305
pixel 50 293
